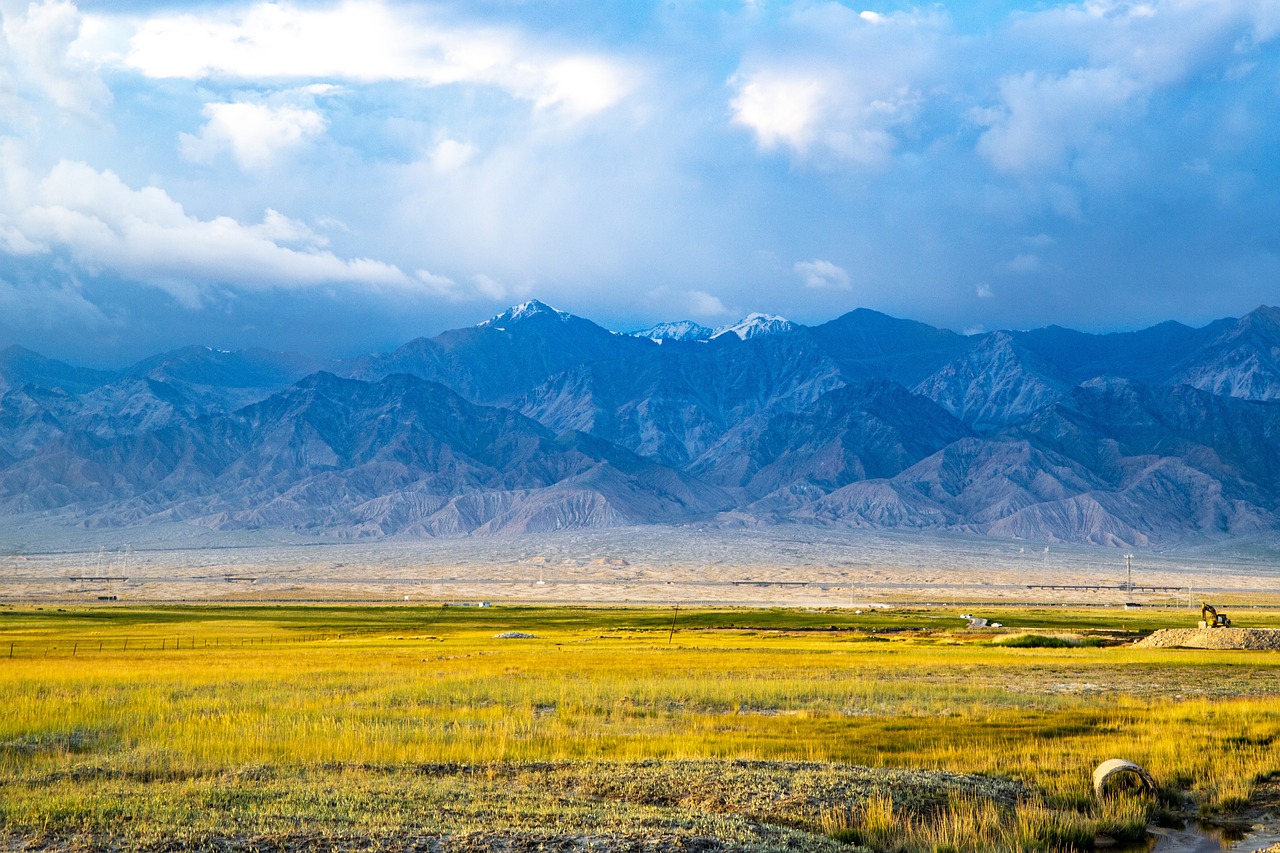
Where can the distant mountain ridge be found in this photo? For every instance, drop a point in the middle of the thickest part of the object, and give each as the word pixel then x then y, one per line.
pixel 537 419
pixel 677 330
pixel 750 326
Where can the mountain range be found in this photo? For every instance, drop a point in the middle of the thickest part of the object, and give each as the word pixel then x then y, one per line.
pixel 540 420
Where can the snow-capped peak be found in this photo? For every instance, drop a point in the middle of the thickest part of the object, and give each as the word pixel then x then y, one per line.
pixel 755 325
pixel 523 311
pixel 679 330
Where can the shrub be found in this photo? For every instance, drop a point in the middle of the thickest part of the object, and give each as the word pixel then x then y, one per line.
pixel 1038 641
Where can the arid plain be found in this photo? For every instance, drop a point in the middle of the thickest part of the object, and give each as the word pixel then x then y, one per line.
pixel 781 566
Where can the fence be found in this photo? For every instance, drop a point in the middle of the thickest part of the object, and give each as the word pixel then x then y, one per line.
pixel 43 648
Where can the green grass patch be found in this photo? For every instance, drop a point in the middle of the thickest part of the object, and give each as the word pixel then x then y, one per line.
pixel 1048 641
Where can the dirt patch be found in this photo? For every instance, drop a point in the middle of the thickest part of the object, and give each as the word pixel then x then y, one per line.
pixel 1256 639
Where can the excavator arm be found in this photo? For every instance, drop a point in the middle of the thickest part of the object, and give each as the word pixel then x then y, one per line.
pixel 1211 618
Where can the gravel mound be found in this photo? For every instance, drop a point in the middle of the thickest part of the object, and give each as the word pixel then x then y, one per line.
pixel 1261 639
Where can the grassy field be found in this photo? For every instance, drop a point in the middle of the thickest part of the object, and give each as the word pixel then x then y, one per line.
pixel 415 727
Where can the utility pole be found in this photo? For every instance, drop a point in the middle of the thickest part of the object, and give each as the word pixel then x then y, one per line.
pixel 1128 564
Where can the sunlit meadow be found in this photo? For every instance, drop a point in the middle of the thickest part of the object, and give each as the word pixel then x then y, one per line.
pixel 270 723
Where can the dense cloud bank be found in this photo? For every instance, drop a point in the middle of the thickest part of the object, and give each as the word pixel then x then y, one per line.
pixel 339 177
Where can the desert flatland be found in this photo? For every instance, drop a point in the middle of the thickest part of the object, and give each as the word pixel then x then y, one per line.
pixel 796 566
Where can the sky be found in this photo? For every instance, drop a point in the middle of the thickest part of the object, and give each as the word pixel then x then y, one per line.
pixel 340 177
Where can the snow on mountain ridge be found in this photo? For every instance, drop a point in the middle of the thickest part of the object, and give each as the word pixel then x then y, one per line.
pixel 751 326
pixel 756 324
pixel 523 311
pixel 676 330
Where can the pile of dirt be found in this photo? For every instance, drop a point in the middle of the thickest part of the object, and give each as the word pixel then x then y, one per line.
pixel 1260 639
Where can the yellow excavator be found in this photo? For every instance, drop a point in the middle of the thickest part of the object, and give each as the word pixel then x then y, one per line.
pixel 1211 618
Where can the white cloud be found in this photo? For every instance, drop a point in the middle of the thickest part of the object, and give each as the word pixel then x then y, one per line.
pixel 782 109
pixel 1156 41
pixel 703 304
pixel 369 42
pixel 256 135
pixel 581 84
pixel 840 86
pixel 146 235
pixel 1023 264
pixel 44 58
pixel 14 242
pixel 1119 55
pixel 489 287
pixel 673 303
pixel 449 155
pixel 1045 119
pixel 329 223
pixel 819 114
pixel 440 285
pixel 983 291
pixel 278 228
pixel 479 287
pixel 822 275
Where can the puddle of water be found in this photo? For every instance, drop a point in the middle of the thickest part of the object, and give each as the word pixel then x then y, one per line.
pixel 1199 839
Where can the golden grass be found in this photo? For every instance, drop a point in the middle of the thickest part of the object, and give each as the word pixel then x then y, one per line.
pixel 304 699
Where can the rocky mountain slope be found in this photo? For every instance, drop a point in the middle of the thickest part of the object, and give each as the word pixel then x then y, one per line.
pixel 355 458
pixel 540 420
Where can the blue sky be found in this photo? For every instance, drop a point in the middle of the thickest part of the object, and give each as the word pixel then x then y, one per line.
pixel 341 177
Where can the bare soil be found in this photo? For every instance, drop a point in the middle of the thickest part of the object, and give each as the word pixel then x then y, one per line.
pixel 1255 639
pixel 783 566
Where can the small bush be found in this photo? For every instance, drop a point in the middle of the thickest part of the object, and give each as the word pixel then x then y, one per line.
pixel 1038 641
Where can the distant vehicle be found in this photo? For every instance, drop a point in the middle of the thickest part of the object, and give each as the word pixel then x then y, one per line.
pixel 1211 618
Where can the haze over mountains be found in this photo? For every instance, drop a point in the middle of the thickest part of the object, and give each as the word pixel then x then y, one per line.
pixel 538 420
